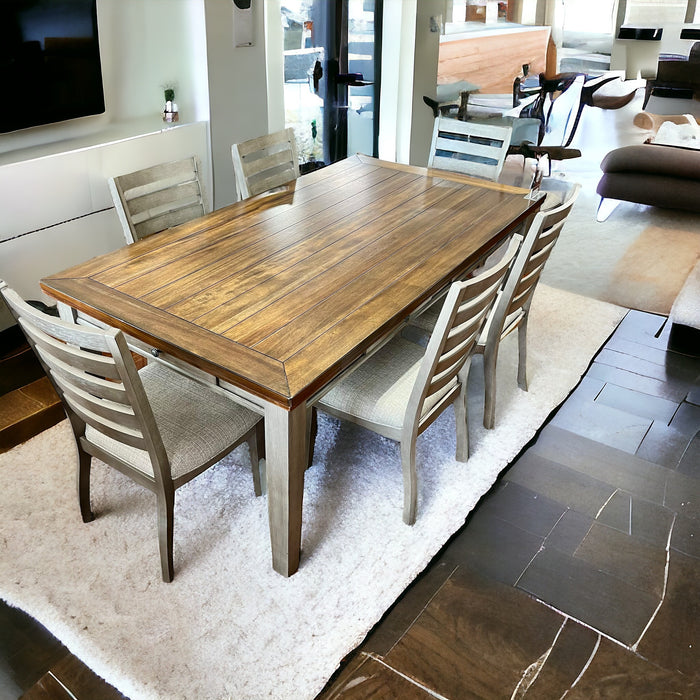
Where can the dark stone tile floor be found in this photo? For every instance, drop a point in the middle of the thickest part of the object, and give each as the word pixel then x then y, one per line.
pixel 579 573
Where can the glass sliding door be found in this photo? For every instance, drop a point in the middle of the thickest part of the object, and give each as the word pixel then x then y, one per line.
pixel 304 53
pixel 331 77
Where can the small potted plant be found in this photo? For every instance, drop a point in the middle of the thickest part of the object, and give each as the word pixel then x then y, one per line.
pixel 170 113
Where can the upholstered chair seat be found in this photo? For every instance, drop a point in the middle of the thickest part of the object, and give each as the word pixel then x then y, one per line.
pixel 377 393
pixel 195 423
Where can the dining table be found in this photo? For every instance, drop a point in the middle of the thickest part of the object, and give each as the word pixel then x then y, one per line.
pixel 274 298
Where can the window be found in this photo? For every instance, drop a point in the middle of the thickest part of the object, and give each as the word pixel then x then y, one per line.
pixel 587 36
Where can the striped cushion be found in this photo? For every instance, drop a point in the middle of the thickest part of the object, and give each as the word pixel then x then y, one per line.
pixel 195 422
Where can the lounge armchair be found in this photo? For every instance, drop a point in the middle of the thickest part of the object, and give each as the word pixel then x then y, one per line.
pixel 648 173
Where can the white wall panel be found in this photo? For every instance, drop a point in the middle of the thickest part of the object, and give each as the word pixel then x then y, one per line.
pixel 57 210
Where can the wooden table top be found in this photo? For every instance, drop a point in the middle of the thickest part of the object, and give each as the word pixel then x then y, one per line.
pixel 278 294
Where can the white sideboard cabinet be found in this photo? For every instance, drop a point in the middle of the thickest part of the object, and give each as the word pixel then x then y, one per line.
pixel 55 206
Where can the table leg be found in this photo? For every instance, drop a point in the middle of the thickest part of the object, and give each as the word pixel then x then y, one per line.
pixel 285 447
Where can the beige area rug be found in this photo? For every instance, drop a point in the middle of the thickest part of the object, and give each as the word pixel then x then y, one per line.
pixel 228 626
pixel 639 258
pixel 654 267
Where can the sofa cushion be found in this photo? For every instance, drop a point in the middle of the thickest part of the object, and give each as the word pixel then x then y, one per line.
pixel 656 159
pixel 654 190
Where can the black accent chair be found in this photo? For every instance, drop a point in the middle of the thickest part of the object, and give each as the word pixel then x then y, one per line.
pixel 676 78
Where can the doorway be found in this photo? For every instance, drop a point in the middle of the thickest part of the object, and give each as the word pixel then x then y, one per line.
pixel 331 77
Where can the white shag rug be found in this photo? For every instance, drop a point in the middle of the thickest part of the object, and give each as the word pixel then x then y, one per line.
pixel 228 626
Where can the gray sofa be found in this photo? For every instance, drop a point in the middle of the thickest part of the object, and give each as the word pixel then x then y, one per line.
pixel 654 174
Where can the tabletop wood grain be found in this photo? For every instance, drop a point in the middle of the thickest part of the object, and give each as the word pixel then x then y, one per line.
pixel 277 294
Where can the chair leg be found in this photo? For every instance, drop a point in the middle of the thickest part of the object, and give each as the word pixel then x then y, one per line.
pixel 84 463
pixel 311 432
pixel 490 360
pixel 605 208
pixel 410 485
pixel 462 416
pixel 522 353
pixel 256 447
pixel 166 509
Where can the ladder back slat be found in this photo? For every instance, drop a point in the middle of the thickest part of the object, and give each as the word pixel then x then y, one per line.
pixel 111 390
pixel 50 349
pixel 162 200
pixel 175 218
pixel 109 412
pixel 157 177
pixel 113 430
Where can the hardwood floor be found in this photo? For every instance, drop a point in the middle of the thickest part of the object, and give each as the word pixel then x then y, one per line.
pixel 28 403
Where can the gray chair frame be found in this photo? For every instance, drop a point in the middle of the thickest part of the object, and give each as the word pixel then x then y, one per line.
pixel 112 418
pixel 159 197
pixel 265 163
pixel 512 308
pixel 441 379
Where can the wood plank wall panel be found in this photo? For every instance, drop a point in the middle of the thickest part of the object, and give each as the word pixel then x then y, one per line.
pixel 492 62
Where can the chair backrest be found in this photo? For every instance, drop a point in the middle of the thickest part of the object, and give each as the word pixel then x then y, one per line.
pixel 96 378
pixel 452 342
pixel 265 163
pixel 159 197
pixel 514 301
pixel 469 147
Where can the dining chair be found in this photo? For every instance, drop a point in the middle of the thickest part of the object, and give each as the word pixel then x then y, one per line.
pixel 265 163
pixel 469 147
pixel 512 307
pixel 159 197
pixel 401 389
pixel 156 426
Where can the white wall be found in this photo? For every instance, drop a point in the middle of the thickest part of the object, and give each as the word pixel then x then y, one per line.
pixel 148 45
pixel 397 80
pixel 237 90
pixel 274 61
pixel 427 49
pixel 409 70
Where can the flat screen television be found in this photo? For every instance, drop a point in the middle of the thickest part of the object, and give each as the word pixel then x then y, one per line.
pixel 50 68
